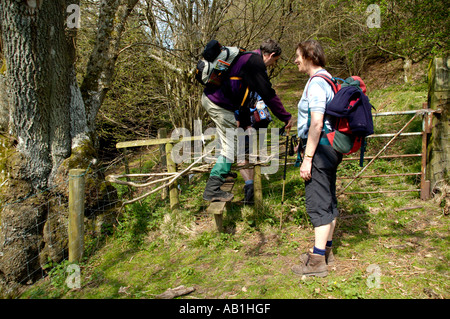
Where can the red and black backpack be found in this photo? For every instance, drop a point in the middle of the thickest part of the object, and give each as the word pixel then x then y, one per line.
pixel 351 114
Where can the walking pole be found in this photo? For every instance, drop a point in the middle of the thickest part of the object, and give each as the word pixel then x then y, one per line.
pixel 284 177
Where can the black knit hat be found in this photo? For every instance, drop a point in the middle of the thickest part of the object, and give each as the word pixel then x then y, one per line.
pixel 212 50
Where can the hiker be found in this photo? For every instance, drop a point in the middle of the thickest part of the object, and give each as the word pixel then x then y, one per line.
pixel 320 160
pixel 257 121
pixel 247 73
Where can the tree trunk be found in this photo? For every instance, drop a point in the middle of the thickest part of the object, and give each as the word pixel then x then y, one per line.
pixel 39 59
pixel 99 76
pixel 51 127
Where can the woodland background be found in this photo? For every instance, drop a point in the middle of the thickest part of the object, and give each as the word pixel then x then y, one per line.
pixel 154 85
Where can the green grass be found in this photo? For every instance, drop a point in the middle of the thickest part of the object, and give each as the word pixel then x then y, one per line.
pixel 153 248
pixel 253 259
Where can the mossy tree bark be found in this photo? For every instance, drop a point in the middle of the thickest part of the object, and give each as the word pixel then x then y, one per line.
pixel 49 123
pixel 39 57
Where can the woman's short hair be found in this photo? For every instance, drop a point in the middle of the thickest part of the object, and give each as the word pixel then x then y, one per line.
pixel 270 46
pixel 313 51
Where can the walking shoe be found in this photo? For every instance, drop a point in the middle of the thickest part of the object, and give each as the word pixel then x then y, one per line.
pixel 213 193
pixel 249 194
pixel 315 266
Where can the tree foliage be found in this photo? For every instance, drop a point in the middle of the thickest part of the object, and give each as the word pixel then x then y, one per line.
pixel 413 29
pixel 154 83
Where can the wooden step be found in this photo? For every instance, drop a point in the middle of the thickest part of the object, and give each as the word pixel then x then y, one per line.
pixel 219 208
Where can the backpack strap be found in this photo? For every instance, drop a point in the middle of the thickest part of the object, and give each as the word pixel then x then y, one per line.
pixel 245 96
pixel 236 78
pixel 333 83
pixel 228 52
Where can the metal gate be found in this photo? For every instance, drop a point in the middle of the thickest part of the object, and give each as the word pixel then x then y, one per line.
pixel 424 189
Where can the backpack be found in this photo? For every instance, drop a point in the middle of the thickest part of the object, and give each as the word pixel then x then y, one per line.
pixel 217 60
pixel 351 113
pixel 259 112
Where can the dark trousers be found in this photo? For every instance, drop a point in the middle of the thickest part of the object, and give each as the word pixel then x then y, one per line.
pixel 320 190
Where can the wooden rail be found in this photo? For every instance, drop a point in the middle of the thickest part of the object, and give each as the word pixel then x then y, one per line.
pixel 166 146
pixel 159 141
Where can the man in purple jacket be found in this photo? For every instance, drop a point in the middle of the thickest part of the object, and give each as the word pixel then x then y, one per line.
pixel 247 74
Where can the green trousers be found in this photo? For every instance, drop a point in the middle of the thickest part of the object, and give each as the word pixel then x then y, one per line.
pixel 222 167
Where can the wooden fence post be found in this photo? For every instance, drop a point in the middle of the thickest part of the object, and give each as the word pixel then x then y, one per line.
pixel 127 171
pixel 162 133
pixel 172 168
pixel 76 214
pixel 258 186
pixel 439 102
pixel 257 182
pixel 426 129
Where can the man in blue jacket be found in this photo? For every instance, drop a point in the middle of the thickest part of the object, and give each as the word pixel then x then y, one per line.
pixel 247 74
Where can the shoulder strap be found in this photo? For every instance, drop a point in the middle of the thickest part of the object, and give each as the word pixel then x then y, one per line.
pixel 329 80
pixel 332 83
pixel 228 53
pixel 247 90
pixel 249 52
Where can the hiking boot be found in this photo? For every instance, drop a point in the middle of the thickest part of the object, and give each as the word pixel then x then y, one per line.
pixel 230 177
pixel 329 256
pixel 249 194
pixel 315 266
pixel 213 193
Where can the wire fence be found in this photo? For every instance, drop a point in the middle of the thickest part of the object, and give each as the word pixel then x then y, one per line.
pixel 34 230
